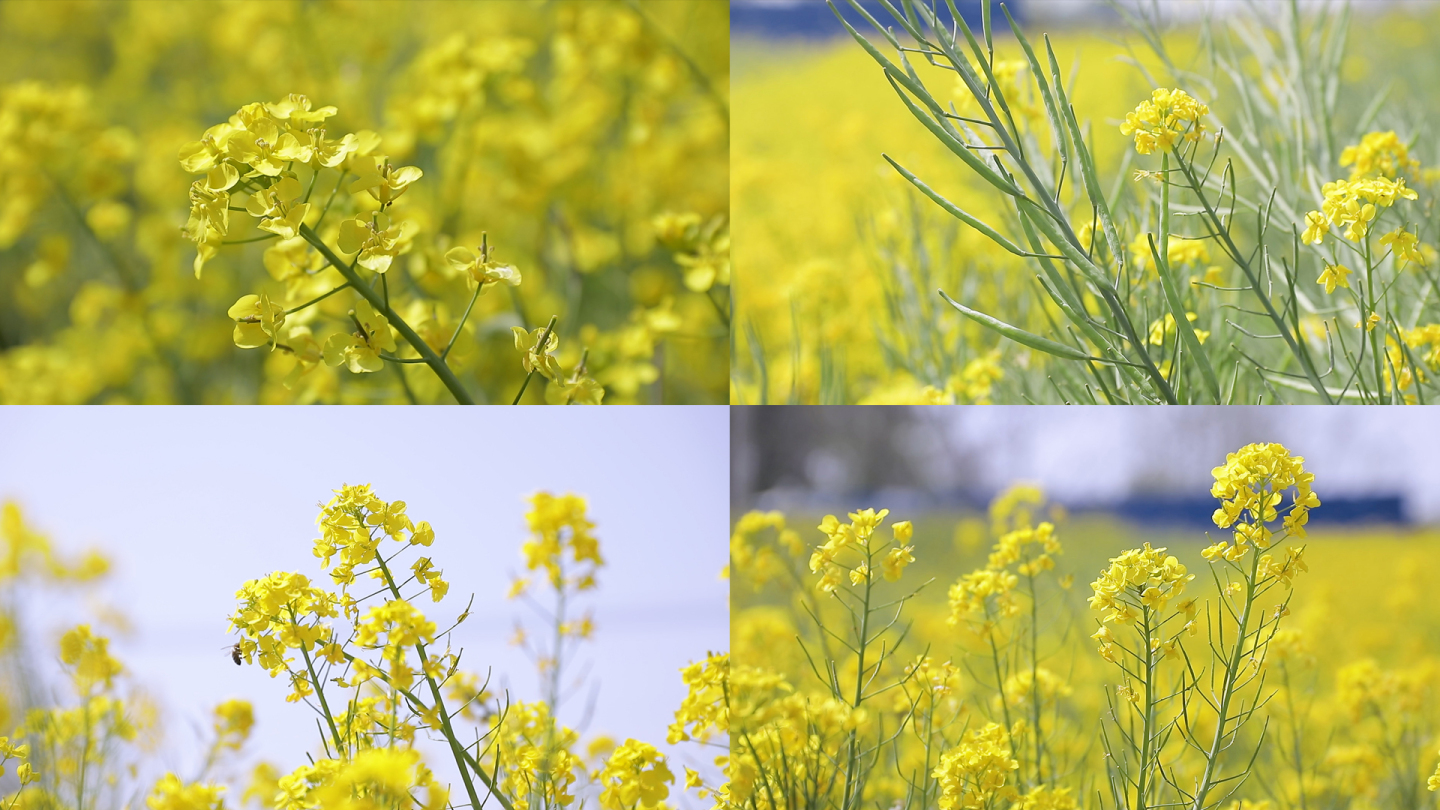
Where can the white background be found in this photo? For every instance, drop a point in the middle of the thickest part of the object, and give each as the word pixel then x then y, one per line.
pixel 191 502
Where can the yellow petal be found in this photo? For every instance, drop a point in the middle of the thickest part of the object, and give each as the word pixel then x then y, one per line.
pixel 289 188
pixel 250 336
pixel 257 206
pixel 404 176
pixel 353 234
pixel 195 157
pixel 221 177
pixel 247 307
pixel 375 262
pixel 460 258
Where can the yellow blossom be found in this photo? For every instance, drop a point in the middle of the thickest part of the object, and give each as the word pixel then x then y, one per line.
pixel 1164 119
pixel 1334 275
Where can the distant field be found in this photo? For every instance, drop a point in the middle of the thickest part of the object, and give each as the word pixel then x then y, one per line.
pixel 1346 716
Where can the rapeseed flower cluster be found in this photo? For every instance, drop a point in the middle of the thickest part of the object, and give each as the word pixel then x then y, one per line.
pixel 705 712
pixel 372 669
pixel 1251 485
pixel 1266 697
pixel 764 560
pixel 983 595
pixel 848 551
pixel 1354 205
pixel 172 793
pixel 283 612
pixel 635 778
pixel 973 775
pixel 1168 117
pixel 89 655
pixel 1137 583
pixel 701 248
pixel 560 528
pixel 374 779
pixel 538 765
pixel 986 595
pixel 24 772
pixel 937 680
pixel 565 132
pixel 791 739
pixel 1379 154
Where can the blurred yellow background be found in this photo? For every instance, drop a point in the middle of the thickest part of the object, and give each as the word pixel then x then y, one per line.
pixel 560 130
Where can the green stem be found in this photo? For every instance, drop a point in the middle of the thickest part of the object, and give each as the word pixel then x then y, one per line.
pixel 1143 785
pixel 314 175
pixel 1000 687
pixel 419 705
pixel 1371 334
pixel 1217 229
pixel 719 310
pixel 523 385
pixel 463 319
pixel 405 384
pixel 852 756
pixel 433 360
pixel 1232 675
pixel 456 748
pixel 338 181
pixel 552 689
pixel 84 761
pixel 317 299
pixel 1184 333
pixel 251 239
pixel 320 693
pixel 1035 676
pixel 1298 734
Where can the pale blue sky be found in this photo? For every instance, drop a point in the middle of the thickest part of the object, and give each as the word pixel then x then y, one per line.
pixel 191 502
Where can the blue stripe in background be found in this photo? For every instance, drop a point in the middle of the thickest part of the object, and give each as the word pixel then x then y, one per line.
pixel 813 19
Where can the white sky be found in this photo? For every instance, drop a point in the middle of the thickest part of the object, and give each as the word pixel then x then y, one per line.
pixel 1100 454
pixel 1094 455
pixel 191 502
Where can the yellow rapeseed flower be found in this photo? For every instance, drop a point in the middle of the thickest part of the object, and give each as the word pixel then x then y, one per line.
pixel 1164 119
pixel 635 777
pixel 360 350
pixel 170 793
pixel 479 269
pixel 1353 204
pixel 257 321
pixel 1333 277
pixel 382 181
pixel 90 656
pixel 1405 246
pixel 536 357
pixel 974 774
pixel 1379 154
